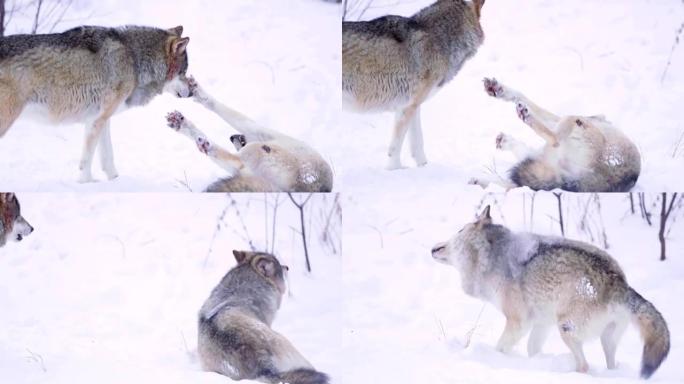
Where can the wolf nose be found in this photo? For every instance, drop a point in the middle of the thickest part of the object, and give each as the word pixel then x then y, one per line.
pixel 30 229
pixel 438 248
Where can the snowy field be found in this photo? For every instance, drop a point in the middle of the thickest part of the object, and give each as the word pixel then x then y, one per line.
pixel 571 57
pixel 108 287
pixel 407 319
pixel 276 61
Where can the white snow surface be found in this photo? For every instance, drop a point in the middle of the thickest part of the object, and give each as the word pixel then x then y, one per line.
pixel 407 319
pixel 277 62
pixel 108 287
pixel 578 57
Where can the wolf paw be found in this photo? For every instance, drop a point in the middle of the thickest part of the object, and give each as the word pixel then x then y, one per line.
pixel 174 120
pixel 501 140
pixel 203 145
pixel 493 88
pixel 239 141
pixel 523 112
pixel 475 181
pixel 192 85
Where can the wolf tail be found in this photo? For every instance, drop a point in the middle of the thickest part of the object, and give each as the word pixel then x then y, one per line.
pixel 302 376
pixel 653 329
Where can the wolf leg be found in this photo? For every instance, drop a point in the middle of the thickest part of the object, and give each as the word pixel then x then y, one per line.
pixel 416 140
pixel 10 106
pixel 537 125
pixel 500 91
pixel 218 155
pixel 107 152
pixel 402 121
pixel 514 331
pixel 537 338
pixel 92 136
pixel 485 181
pixel 519 149
pixel 609 340
pixel 243 124
pixel 568 331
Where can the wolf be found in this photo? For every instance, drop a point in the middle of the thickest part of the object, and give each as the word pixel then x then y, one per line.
pixel 13 226
pixel 540 281
pixel 235 335
pixel 87 74
pixel 266 160
pixel 395 63
pixel 581 154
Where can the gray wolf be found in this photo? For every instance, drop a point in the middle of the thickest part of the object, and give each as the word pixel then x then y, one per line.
pixel 581 154
pixel 87 74
pixel 13 226
pixel 395 63
pixel 235 335
pixel 540 281
pixel 266 160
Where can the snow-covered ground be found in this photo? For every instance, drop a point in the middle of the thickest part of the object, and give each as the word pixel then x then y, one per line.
pixel 407 319
pixel 276 61
pixel 108 287
pixel 571 57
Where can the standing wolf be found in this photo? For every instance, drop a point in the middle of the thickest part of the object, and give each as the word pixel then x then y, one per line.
pixel 395 63
pixel 87 74
pixel 235 335
pixel 266 161
pixel 13 226
pixel 541 281
pixel 582 153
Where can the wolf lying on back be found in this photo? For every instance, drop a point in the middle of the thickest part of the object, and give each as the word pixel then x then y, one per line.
pixel 395 63
pixel 539 282
pixel 13 226
pixel 582 153
pixel 235 335
pixel 87 74
pixel 267 161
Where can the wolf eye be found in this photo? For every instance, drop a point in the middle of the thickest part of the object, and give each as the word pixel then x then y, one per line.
pixel 266 148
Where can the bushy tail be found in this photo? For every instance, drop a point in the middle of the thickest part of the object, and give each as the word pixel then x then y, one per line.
pixel 303 376
pixel 653 330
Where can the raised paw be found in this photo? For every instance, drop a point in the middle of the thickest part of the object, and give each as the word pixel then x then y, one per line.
pixel 501 140
pixel 192 85
pixel 492 87
pixel 523 112
pixel 203 145
pixel 175 120
pixel 475 181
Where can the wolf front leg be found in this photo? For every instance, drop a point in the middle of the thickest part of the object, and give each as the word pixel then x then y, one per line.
pixel 537 338
pixel 243 124
pixel 403 120
pixel 218 155
pixel 416 140
pixel 515 329
pixel 503 92
pixel 107 152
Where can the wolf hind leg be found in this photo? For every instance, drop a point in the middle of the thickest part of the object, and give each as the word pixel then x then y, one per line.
pixel 107 152
pixel 218 155
pixel 416 140
pixel 569 333
pixel 609 340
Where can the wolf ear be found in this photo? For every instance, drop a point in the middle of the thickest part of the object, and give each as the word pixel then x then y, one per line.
pixel 178 46
pixel 240 256
pixel 478 6
pixel 265 267
pixel 5 197
pixel 178 31
pixel 485 217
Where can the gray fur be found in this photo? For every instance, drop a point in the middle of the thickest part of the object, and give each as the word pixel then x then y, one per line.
pixel 540 281
pixel 235 335
pixel 395 63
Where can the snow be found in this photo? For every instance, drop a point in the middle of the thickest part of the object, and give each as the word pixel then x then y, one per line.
pixel 407 319
pixel 570 57
pixel 108 287
pixel 275 61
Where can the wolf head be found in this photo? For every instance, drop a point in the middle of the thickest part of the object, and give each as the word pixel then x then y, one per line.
pixel 470 239
pixel 177 61
pixel 264 266
pixel 13 226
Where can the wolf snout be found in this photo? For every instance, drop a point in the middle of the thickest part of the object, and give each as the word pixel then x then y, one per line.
pixel 438 251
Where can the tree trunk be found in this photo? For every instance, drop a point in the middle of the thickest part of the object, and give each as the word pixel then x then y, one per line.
pixel 2 18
